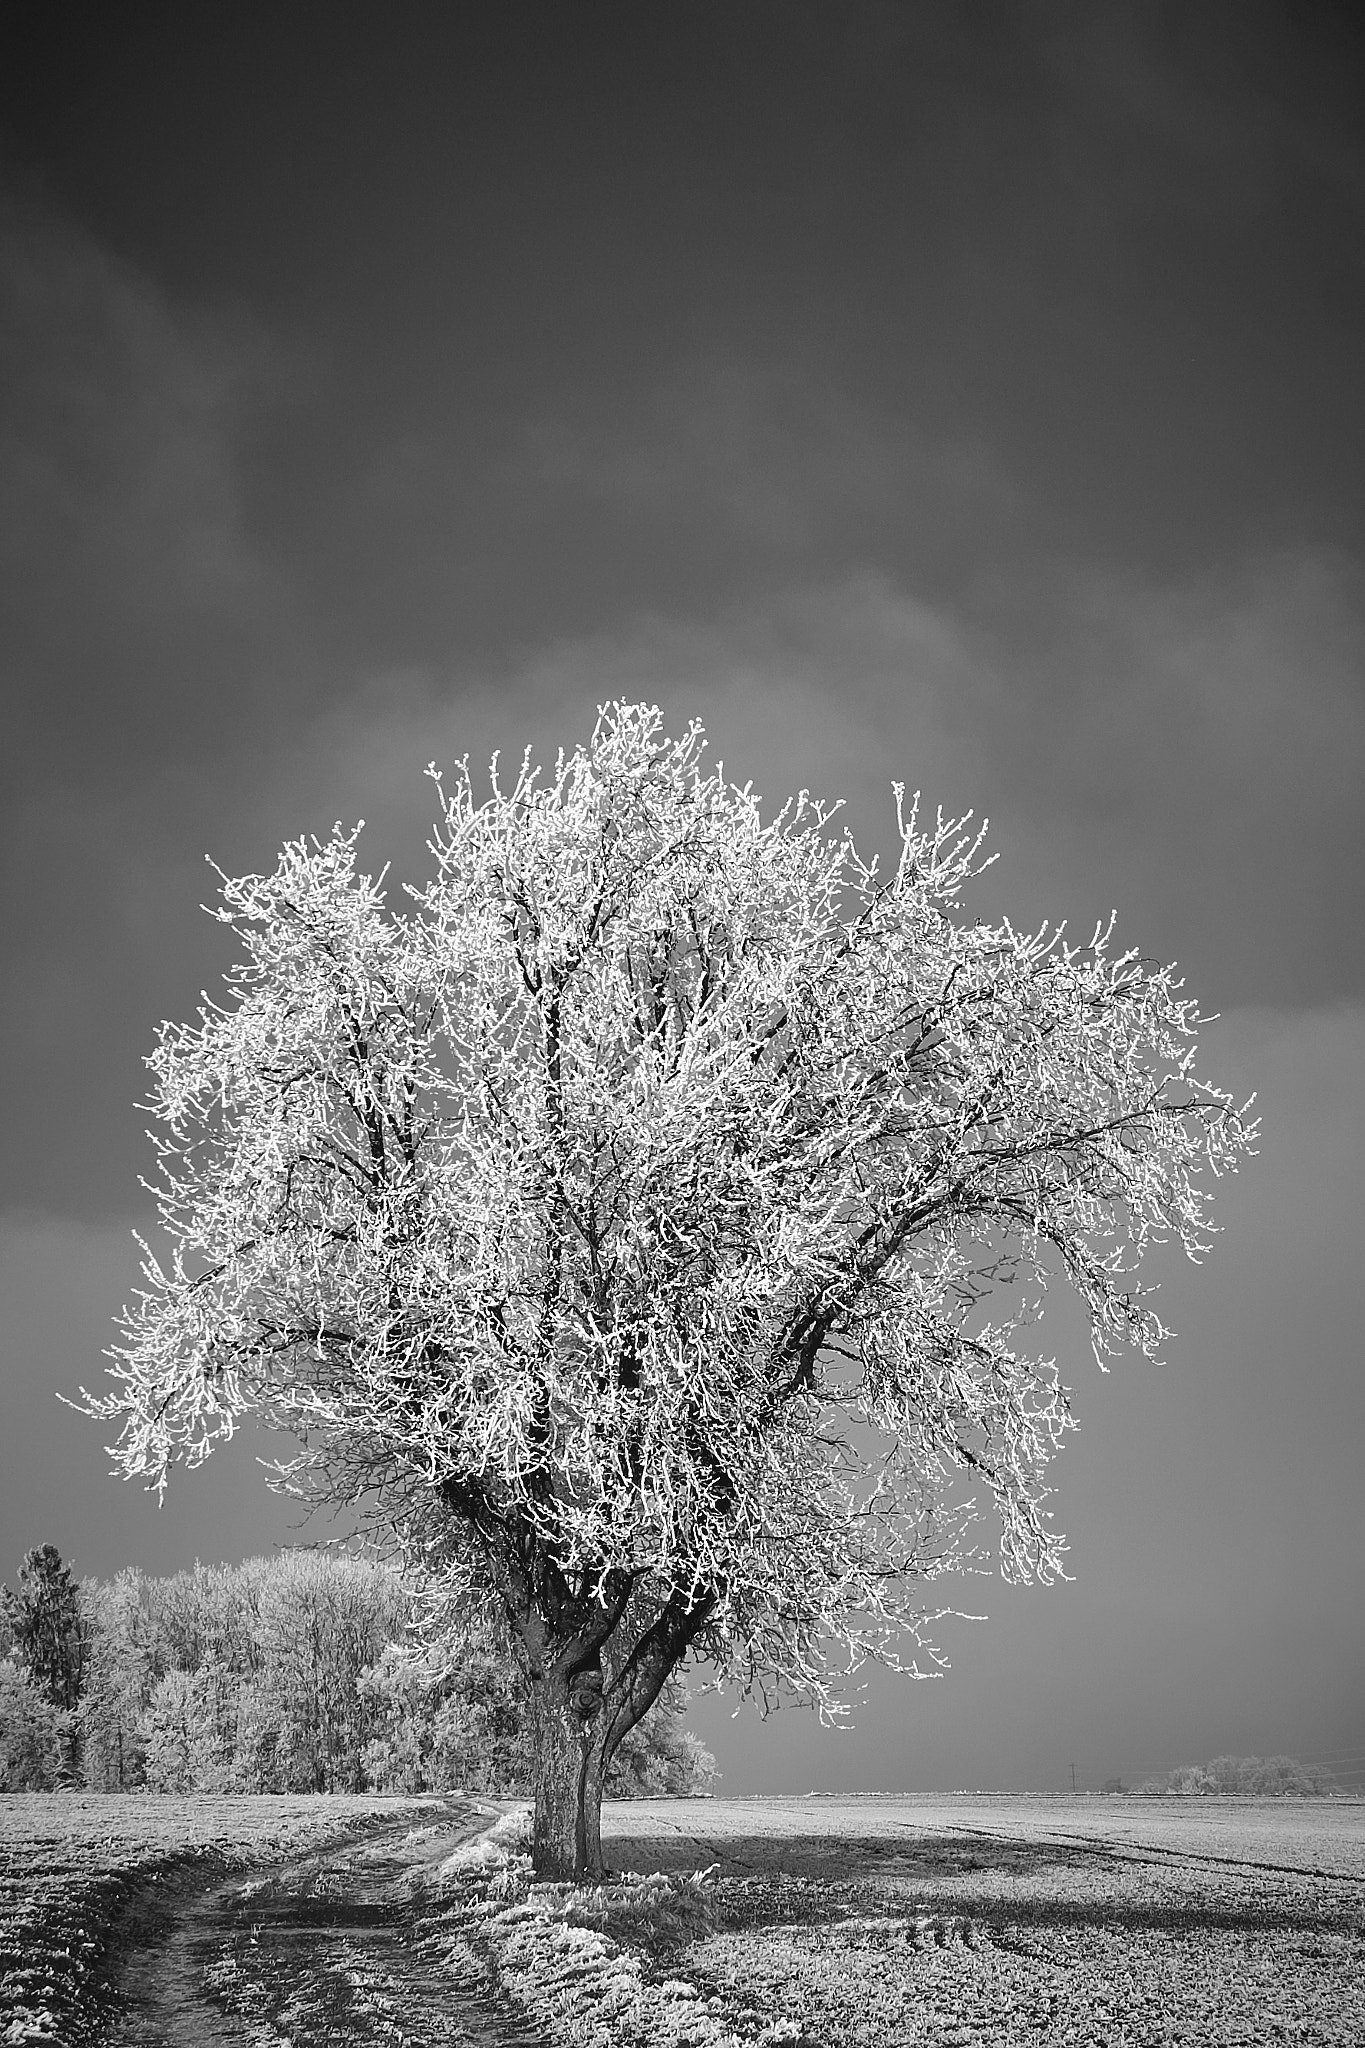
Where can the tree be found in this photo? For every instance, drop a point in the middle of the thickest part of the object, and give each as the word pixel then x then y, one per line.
pixel 324 1620
pixel 121 1626
pixel 462 1727
pixel 34 1735
pixel 45 1626
pixel 619 1226
pixel 211 1615
pixel 1250 1777
pixel 49 1635
pixel 190 1730
pixel 659 1755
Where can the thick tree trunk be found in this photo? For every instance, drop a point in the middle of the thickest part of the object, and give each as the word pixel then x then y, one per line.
pixel 578 1720
pixel 589 1684
pixel 566 1721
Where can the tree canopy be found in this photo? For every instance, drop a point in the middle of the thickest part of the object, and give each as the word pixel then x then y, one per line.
pixel 644 1222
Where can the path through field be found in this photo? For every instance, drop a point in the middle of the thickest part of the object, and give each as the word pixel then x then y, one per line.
pixel 323 1949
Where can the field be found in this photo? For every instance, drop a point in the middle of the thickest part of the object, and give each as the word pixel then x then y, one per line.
pixel 997 1921
pixel 1103 1923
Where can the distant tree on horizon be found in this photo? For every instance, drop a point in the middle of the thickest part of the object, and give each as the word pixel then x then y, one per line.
pixel 1250 1777
pixel 619 1228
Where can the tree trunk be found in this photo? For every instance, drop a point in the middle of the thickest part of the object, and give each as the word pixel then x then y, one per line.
pixel 566 1723
pixel 577 1726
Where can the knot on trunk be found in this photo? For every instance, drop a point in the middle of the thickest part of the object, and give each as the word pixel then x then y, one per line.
pixel 585 1694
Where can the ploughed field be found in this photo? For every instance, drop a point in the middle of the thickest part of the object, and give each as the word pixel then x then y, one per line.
pixel 132 1921
pixel 974 1920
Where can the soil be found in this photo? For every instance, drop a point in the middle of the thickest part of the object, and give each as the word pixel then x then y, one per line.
pixel 322 1949
pixel 1091 1923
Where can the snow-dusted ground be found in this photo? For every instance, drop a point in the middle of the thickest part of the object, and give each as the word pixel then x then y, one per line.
pixel 73 1864
pixel 1306 1835
pixel 1113 1922
pixel 845 1923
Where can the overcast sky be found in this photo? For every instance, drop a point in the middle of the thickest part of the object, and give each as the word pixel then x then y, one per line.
pixel 968 393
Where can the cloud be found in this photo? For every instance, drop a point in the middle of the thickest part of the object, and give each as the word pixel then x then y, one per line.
pixel 123 549
pixel 1189 750
pixel 776 455
pixel 146 642
pixel 1218 128
pixel 1191 754
pixel 1199 749
pixel 139 614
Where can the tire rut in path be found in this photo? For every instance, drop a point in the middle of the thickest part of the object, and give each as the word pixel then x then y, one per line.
pixel 323 1952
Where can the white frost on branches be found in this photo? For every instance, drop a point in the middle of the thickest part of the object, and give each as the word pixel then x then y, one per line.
pixel 639 1191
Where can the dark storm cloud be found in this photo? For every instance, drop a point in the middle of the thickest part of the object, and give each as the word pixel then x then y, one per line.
pixel 1187 749
pixel 149 653
pixel 1190 755
pixel 135 601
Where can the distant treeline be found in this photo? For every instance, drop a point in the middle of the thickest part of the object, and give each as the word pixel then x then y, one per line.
pixel 295 1673
pixel 1250 1777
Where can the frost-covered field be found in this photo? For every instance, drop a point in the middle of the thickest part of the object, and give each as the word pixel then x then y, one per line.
pixel 70 1863
pixel 1000 1922
pixel 1104 1921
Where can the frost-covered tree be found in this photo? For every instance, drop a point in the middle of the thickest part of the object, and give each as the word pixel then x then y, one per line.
pixel 464 1727
pixel 34 1735
pixel 659 1755
pixel 323 1621
pixel 190 1731
pixel 1250 1777
pixel 628 1225
pixel 211 1614
pixel 121 1625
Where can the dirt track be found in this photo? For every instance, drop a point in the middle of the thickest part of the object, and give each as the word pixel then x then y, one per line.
pixel 318 1951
